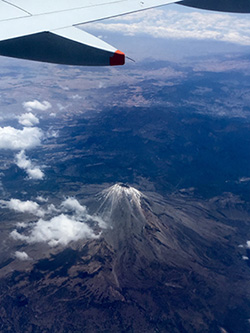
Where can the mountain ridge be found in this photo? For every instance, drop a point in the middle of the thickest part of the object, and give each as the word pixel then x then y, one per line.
pixel 158 266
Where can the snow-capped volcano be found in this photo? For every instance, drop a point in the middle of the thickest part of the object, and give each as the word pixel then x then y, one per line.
pixel 119 197
pixel 121 190
pixel 150 270
pixel 120 206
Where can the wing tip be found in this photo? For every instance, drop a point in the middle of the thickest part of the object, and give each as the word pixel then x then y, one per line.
pixel 118 59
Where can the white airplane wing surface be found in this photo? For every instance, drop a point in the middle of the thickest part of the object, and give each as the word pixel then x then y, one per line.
pixel 45 30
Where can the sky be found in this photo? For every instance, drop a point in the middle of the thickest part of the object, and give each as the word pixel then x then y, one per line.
pixel 176 30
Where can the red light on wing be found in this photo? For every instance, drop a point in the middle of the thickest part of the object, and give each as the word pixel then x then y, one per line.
pixel 117 59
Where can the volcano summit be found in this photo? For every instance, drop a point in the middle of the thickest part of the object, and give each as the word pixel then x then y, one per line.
pixel 159 265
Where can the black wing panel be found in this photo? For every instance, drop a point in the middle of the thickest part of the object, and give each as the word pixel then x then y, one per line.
pixel 230 6
pixel 62 48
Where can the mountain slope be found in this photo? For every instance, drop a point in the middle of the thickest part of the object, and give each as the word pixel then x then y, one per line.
pixel 159 266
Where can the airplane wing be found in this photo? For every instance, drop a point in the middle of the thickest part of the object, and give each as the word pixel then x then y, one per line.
pixel 46 30
pixel 230 6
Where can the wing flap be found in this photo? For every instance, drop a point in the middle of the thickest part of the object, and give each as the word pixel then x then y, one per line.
pixel 48 6
pixel 69 46
pixel 50 21
pixel 56 6
pixel 8 12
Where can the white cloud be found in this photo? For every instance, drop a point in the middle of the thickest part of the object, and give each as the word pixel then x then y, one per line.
pixel 27 138
pixel 41 198
pixel 22 224
pixel 61 230
pixel 28 119
pixel 245 258
pixel 36 105
pixel 71 204
pixel 34 172
pixel 76 97
pixel 62 107
pixel 51 210
pixel 17 236
pixel 248 244
pixel 179 25
pixel 23 207
pixel 69 223
pixel 22 255
pixel 244 179
pixel 51 133
pixel 15 139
